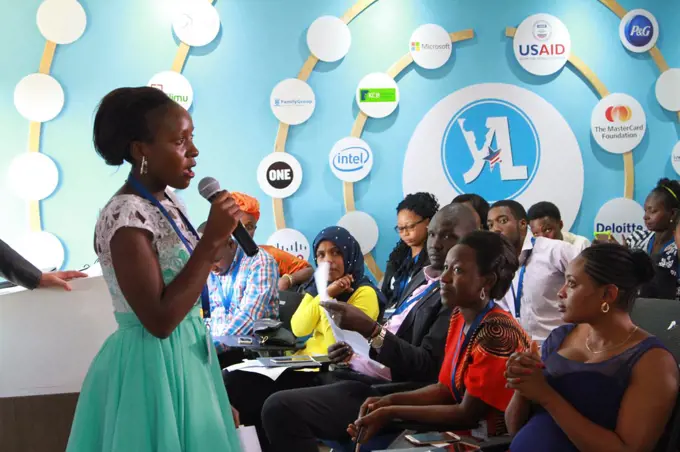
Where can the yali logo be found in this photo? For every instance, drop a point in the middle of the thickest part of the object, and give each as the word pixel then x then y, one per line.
pixel 351 159
pixel 480 134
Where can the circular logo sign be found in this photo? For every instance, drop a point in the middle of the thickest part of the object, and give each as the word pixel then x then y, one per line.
pixel 351 159
pixel 363 228
pixel 175 85
pixel 430 46
pixel 292 101
pixel 638 30
pixel 290 241
pixel 329 38
pixel 542 44
pixel 490 139
pixel 377 95
pixel 618 123
pixel 196 23
pixel 620 217
pixel 279 175
pixel 675 157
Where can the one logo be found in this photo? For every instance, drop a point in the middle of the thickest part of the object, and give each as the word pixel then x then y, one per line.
pixel 377 95
pixel 280 175
pixel 618 113
pixel 496 132
pixel 415 46
pixel 542 30
pixel 351 159
pixel 639 30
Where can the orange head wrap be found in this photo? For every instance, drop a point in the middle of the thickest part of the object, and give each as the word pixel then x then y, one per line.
pixel 248 204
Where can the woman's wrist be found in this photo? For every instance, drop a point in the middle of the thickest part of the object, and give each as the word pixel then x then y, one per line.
pixel 289 278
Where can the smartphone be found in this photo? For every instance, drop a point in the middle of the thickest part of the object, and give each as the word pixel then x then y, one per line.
pixel 245 341
pixel 423 439
pixel 603 236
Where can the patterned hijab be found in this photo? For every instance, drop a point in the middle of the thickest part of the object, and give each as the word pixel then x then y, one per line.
pixel 353 259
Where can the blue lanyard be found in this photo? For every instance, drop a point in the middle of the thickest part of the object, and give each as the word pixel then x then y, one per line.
pixel 408 303
pixel 650 245
pixel 461 348
pixel 520 283
pixel 405 279
pixel 236 265
pixel 141 189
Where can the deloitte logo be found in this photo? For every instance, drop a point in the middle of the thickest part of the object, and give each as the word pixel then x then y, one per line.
pixel 499 144
pixel 638 30
pixel 500 141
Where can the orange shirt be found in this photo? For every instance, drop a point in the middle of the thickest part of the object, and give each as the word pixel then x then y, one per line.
pixel 288 263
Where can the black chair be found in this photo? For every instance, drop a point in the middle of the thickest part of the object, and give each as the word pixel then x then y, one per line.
pixel 658 317
pixel 288 304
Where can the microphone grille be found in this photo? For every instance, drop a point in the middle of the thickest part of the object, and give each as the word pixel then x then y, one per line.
pixel 208 186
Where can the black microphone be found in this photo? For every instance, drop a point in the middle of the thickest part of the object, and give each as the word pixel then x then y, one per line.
pixel 209 188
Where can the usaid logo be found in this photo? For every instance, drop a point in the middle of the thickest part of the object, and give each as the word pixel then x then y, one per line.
pixel 351 159
pixel 500 141
pixel 638 30
pixel 542 44
pixel 501 163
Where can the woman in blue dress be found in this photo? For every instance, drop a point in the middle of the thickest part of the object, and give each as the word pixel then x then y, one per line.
pixel 155 385
pixel 602 383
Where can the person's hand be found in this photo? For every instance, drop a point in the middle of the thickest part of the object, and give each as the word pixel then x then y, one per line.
pixel 340 352
pixel 340 286
pixel 350 317
pixel 223 218
pixel 371 424
pixel 237 417
pixel 285 282
pixel 373 403
pixel 59 279
pixel 524 374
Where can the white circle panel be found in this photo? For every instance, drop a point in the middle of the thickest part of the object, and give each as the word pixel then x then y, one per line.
pixel 363 227
pixel 668 89
pixel 38 97
pixel 675 157
pixel 279 175
pixel 377 95
pixel 430 46
pixel 618 123
pixel 292 101
pixel 32 176
pixel 542 44
pixel 61 21
pixel 351 159
pixel 175 85
pixel 291 241
pixel 638 30
pixel 329 38
pixel 42 249
pixel 620 217
pixel 196 22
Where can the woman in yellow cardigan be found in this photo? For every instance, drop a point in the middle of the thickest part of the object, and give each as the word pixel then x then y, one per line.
pixel 347 283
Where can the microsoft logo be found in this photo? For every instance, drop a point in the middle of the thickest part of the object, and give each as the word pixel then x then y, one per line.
pixel 415 46
pixel 378 95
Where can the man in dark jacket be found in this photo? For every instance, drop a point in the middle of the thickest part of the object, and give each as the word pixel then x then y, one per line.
pixel 408 348
pixel 19 271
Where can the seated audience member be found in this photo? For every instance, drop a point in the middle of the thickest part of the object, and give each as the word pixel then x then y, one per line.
pixel 545 220
pixel 242 290
pixel 409 347
pixel 409 256
pixel 658 241
pixel 471 392
pixel 602 383
pixel 293 271
pixel 347 284
pixel 532 297
pixel 478 204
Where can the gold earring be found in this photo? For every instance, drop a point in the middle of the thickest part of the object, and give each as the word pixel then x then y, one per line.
pixel 482 294
pixel 143 168
pixel 604 307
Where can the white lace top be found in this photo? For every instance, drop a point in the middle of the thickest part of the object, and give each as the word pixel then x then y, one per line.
pixel 134 211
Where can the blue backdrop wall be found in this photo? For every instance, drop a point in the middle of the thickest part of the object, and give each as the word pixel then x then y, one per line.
pixel 264 41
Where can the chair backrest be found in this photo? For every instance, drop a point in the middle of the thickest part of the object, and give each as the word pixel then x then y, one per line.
pixel 288 304
pixel 660 318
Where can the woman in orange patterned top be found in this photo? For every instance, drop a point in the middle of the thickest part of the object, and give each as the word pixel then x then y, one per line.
pixel 471 392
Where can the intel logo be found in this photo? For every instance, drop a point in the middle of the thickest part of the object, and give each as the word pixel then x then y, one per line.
pixel 351 159
pixel 638 31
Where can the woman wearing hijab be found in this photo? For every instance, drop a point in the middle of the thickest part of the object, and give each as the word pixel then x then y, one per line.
pixel 346 283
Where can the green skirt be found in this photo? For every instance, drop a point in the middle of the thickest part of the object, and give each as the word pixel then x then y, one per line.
pixel 146 394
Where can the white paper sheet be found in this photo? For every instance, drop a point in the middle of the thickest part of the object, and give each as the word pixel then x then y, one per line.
pixel 321 280
pixel 355 340
pixel 254 366
pixel 247 435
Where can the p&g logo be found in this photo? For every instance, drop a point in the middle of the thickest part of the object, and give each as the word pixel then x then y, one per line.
pixel 639 30
pixel 351 159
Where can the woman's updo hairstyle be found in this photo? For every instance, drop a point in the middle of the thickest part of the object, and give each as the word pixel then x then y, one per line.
pixel 611 263
pixel 495 255
pixel 122 118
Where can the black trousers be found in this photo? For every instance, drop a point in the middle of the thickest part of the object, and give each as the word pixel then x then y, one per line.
pixel 248 392
pixel 294 420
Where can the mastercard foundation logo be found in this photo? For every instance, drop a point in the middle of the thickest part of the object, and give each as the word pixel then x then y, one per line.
pixel 618 113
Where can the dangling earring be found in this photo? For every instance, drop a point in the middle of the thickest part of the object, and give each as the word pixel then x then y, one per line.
pixel 143 167
pixel 482 294
pixel 604 307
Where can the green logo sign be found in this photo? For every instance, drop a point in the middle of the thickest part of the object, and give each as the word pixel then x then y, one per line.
pixel 377 95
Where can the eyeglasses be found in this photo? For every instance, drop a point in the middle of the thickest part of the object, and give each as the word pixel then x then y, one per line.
pixel 408 227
